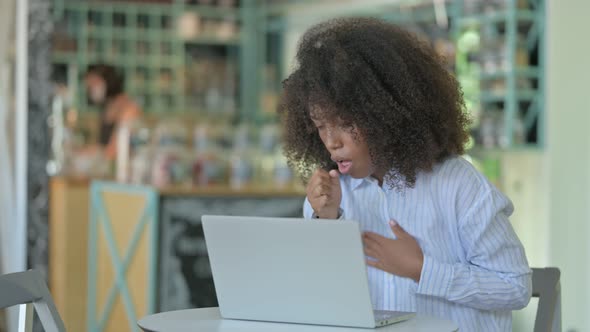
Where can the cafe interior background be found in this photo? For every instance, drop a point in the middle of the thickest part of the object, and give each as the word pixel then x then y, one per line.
pixel 206 75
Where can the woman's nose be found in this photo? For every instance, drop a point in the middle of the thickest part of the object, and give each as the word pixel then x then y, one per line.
pixel 333 139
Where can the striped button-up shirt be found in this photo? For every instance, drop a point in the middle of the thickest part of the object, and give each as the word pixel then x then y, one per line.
pixel 475 271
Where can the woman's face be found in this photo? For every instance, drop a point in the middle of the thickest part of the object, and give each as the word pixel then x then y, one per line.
pixel 96 88
pixel 346 146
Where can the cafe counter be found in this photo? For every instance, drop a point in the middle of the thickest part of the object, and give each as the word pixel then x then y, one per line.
pixel 119 252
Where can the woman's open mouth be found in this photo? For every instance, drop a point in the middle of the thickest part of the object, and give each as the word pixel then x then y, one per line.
pixel 344 166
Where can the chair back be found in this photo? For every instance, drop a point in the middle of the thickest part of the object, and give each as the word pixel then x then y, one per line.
pixel 547 288
pixel 28 287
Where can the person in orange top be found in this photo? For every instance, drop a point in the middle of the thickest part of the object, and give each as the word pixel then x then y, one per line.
pixel 105 89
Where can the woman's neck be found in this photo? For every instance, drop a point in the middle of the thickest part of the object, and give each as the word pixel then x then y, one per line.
pixel 379 175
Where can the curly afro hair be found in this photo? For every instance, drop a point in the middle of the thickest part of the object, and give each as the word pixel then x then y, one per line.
pixel 381 82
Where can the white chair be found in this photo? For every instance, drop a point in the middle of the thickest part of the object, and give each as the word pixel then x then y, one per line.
pixel 547 288
pixel 28 289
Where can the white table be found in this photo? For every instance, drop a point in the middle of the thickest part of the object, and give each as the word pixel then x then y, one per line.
pixel 209 320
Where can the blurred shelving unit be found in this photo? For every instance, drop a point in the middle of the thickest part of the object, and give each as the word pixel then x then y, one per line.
pixel 168 50
pixel 228 61
pixel 500 64
pixel 136 39
pixel 496 49
pixel 277 19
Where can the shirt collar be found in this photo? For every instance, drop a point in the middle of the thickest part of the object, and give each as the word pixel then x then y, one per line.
pixel 355 183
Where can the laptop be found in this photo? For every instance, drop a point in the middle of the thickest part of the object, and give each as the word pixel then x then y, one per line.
pixel 292 270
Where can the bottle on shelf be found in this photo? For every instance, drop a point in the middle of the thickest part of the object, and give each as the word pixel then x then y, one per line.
pixel 283 174
pixel 241 168
pixel 209 166
pixel 171 165
pixel 264 160
pixel 141 153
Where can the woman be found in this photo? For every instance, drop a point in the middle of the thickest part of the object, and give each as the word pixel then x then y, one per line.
pixel 104 86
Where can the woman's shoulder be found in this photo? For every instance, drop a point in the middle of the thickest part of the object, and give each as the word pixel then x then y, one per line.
pixel 129 110
pixel 456 178
pixel 458 185
pixel 457 169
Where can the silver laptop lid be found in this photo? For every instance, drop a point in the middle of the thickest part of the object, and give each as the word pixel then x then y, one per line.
pixel 289 270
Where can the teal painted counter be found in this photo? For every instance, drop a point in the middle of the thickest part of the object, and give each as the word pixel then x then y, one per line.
pixel 146 248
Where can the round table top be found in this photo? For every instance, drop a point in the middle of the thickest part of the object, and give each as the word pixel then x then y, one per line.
pixel 210 320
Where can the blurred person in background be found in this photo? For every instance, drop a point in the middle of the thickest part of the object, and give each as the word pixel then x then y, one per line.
pixel 105 89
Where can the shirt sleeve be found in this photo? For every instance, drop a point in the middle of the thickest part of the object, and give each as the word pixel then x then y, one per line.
pixel 308 212
pixel 495 274
pixel 307 209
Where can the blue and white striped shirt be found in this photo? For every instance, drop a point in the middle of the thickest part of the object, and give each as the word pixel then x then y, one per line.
pixel 475 271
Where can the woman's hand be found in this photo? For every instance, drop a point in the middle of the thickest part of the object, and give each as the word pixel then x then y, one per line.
pixel 402 256
pixel 324 193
